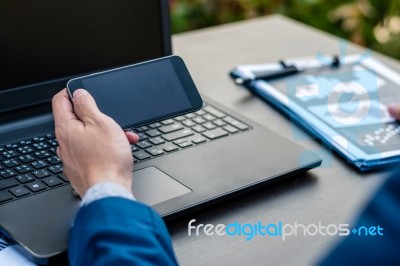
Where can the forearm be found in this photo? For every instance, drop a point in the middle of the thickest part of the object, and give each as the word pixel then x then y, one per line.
pixel 118 231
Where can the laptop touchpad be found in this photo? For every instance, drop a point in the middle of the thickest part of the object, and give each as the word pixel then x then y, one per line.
pixel 151 186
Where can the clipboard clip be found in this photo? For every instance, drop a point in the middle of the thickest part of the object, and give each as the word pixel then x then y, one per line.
pixel 287 70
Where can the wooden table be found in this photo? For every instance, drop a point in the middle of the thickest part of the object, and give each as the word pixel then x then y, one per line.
pixel 334 193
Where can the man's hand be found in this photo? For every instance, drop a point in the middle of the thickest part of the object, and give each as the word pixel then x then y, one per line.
pixel 92 146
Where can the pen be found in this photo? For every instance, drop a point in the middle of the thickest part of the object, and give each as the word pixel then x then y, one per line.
pixel 267 75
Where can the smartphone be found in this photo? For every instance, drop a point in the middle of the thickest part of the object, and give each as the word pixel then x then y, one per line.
pixel 142 93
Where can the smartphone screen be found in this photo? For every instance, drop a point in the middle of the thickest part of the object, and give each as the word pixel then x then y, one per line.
pixel 142 93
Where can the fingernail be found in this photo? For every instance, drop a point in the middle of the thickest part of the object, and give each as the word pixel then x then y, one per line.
pixel 79 92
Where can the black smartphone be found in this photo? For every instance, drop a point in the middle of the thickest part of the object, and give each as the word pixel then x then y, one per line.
pixel 142 93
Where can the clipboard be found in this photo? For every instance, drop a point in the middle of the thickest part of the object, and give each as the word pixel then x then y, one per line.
pixel 344 107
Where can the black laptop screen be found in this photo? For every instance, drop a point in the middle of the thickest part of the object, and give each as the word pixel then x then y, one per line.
pixel 43 41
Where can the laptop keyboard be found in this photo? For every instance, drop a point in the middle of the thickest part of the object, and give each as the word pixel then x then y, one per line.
pixel 31 166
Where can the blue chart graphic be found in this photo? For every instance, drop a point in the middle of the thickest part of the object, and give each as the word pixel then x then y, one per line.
pixel 344 100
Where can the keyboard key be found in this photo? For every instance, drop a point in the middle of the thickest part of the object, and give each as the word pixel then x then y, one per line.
pixel 185 144
pixel 199 120
pixel 155 151
pixel 213 111
pixel 180 140
pixel 22 169
pixel 56 169
pixel 167 122
pixel 209 117
pixel 230 129
pixel 209 125
pixel 42 154
pixel 153 133
pixel 52 181
pixel 198 139
pixel 39 139
pixel 35 186
pixel 41 146
pixel 155 125
pixel 19 191
pixel 53 160
pixel 141 155
pixel 10 163
pixel 25 178
pixel 188 123
pixel 178 134
pixel 39 164
pixel 26 158
pixel 168 147
pixel 51 136
pixel 216 133
pixel 170 128
pixel 191 115
pixel 142 135
pixel 134 148
pixel 7 173
pixel 241 126
pixel 198 128
pixel 25 142
pixel 219 123
pixel 53 151
pixel 180 118
pixel 142 128
pixel 8 183
pixel 200 112
pixel 11 146
pixel 235 123
pixel 53 142
pixel 157 140
pixel 25 150
pixel 4 196
pixel 143 144
pixel 63 177
pixel 9 154
pixel 40 173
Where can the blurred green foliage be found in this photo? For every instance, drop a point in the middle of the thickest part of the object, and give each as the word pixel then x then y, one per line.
pixel 372 23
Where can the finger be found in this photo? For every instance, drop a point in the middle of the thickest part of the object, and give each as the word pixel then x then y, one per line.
pixel 85 106
pixel 394 110
pixel 62 108
pixel 133 138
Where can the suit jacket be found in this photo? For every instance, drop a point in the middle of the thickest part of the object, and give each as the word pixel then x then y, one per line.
pixel 383 211
pixel 118 231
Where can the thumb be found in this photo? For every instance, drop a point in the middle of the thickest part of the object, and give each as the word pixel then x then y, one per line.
pixel 394 110
pixel 85 106
pixel 133 138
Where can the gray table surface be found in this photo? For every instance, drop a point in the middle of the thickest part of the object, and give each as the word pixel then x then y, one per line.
pixel 331 194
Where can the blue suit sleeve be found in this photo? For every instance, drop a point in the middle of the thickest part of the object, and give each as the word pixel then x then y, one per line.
pixel 383 211
pixel 118 231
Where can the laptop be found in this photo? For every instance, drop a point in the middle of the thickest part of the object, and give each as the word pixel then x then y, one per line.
pixel 181 164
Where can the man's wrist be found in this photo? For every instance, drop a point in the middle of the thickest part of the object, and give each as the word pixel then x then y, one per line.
pixel 104 190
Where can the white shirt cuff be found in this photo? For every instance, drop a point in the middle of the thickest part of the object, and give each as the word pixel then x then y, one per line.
pixel 104 190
